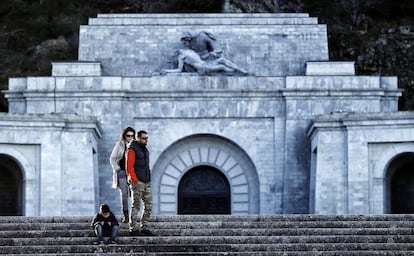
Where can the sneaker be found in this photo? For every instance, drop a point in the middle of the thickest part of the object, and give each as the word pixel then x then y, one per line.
pixel 112 242
pixel 100 242
pixel 146 232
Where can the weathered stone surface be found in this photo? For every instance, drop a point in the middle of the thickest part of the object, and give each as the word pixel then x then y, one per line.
pixel 261 131
pixel 76 69
pixel 364 134
pixel 265 44
pixel 217 235
pixel 333 68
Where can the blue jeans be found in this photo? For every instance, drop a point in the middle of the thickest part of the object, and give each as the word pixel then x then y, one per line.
pixel 106 231
pixel 123 190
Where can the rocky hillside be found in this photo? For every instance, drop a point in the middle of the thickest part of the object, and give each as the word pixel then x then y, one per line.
pixel 377 34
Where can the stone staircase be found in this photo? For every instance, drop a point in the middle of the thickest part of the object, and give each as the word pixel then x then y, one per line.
pixel 217 235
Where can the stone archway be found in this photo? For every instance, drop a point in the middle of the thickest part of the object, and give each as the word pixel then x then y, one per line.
pixel 400 184
pixel 204 190
pixel 31 179
pixel 382 169
pixel 205 150
pixel 11 187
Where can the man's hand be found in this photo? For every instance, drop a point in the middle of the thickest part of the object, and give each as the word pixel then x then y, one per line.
pixel 130 181
pixel 141 186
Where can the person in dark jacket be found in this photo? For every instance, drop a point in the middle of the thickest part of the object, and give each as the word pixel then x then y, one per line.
pixel 139 176
pixel 105 224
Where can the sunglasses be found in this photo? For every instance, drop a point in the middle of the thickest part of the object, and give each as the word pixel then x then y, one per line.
pixel 129 135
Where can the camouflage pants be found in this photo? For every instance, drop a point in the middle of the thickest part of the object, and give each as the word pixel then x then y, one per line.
pixel 140 192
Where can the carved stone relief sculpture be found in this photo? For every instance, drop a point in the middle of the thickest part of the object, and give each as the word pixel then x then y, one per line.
pixel 202 55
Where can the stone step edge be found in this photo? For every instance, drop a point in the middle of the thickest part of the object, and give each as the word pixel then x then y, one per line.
pixel 189 240
pixel 196 21
pixel 201 15
pixel 214 225
pixel 213 218
pixel 289 253
pixel 214 248
pixel 217 232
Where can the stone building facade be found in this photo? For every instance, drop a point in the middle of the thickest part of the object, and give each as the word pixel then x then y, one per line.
pixel 298 134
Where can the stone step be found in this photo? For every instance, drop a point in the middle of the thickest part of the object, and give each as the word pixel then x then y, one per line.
pixel 282 217
pixel 285 253
pixel 287 225
pixel 217 232
pixel 222 218
pixel 189 240
pixel 212 248
pixel 217 235
pixel 222 225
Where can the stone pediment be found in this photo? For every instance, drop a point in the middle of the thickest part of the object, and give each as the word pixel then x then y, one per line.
pixel 145 44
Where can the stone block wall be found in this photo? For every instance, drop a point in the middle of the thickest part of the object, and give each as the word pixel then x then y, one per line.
pixel 353 154
pixel 143 44
pixel 76 69
pixel 265 116
pixel 174 107
pixel 55 154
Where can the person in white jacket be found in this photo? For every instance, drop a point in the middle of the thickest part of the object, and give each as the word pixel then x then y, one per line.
pixel 119 177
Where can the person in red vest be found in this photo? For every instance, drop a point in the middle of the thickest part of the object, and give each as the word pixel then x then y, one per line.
pixel 139 177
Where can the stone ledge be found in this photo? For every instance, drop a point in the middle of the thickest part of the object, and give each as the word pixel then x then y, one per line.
pixel 202 15
pixel 197 21
pixel 330 68
pixel 76 69
pixel 342 82
pixel 160 83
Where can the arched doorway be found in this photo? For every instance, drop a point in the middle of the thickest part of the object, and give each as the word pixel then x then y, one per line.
pixel 11 187
pixel 214 152
pixel 401 184
pixel 204 190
